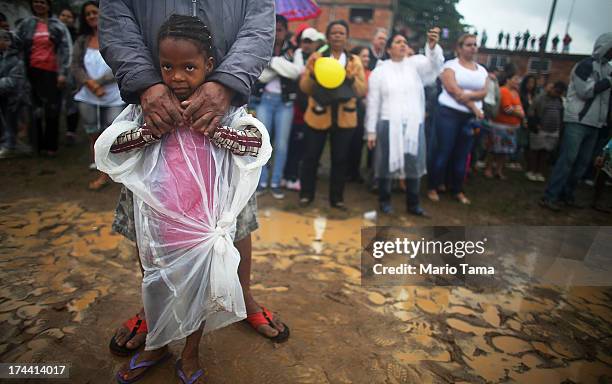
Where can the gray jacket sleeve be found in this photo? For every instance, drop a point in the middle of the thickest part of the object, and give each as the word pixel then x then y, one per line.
pixel 123 48
pixel 10 83
pixel 251 51
pixel 585 84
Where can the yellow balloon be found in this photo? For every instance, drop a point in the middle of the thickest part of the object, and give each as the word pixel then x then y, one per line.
pixel 329 72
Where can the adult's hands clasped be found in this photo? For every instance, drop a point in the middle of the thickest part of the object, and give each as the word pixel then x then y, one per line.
pixel 206 107
pixel 203 111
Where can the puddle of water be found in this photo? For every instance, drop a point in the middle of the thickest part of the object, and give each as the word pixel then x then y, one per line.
pixel 79 305
pixel 510 344
pixel 466 327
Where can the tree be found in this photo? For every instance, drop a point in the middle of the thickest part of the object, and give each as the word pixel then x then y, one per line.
pixel 415 17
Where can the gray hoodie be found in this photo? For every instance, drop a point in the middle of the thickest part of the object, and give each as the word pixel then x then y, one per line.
pixel 588 95
pixel 243 35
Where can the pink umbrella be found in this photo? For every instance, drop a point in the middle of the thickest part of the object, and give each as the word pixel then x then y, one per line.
pixel 295 10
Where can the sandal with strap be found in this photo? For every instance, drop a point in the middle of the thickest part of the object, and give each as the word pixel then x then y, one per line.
pixel 137 325
pixel 148 364
pixel 264 318
pixel 181 374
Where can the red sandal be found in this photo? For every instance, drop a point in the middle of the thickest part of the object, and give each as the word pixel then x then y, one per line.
pixel 264 318
pixel 137 325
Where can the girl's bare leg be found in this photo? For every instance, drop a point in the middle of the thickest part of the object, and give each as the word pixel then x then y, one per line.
pixel 190 357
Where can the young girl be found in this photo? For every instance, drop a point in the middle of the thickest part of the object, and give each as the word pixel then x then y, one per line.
pixel 187 194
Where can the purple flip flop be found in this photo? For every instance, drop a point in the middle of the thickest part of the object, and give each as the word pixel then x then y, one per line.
pixel 143 364
pixel 183 377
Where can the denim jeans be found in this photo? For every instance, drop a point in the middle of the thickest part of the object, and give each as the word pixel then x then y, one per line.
pixel 574 157
pixel 277 116
pixel 453 144
pixel 413 187
pixel 96 118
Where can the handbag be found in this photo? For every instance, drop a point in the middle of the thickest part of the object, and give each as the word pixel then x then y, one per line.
pixel 325 96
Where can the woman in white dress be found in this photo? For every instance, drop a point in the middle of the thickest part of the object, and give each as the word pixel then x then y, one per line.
pixel 98 97
pixel 396 114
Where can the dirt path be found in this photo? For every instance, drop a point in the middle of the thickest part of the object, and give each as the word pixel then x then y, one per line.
pixel 66 281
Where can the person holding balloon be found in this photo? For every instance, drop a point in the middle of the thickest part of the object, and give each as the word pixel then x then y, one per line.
pixel 333 80
pixel 395 117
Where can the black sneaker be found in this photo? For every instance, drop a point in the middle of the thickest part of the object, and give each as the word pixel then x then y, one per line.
pixel 545 203
pixel 386 208
pixel 418 211
pixel 277 193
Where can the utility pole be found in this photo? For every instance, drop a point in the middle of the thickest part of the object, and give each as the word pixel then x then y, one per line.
pixel 543 47
pixel 569 18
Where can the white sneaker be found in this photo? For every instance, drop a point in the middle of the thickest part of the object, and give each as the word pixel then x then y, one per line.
pixel 92 167
pixel 540 177
pixel 480 164
pixel 531 176
pixel 293 185
pixel 589 182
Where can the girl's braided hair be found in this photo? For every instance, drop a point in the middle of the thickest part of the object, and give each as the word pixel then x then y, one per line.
pixel 190 28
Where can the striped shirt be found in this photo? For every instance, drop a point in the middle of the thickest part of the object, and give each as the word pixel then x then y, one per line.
pixel 245 142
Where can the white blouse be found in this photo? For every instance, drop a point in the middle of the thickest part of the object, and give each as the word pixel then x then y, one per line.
pixel 395 93
pixel 468 80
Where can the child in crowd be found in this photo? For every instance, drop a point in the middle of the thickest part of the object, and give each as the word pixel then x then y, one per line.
pixel 546 121
pixel 12 75
pixel 187 195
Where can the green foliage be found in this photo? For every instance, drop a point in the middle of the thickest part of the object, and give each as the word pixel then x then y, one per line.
pixel 420 15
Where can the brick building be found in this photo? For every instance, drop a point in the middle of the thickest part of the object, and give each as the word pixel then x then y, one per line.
pixel 555 66
pixel 363 16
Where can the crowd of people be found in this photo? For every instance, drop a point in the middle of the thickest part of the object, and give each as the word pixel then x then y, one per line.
pixel 52 71
pixel 527 41
pixel 412 113
pixel 478 119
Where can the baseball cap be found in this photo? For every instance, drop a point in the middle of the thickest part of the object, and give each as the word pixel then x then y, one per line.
pixel 312 34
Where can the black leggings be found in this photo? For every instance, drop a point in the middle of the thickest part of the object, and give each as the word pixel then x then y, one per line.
pixel 340 147
pixel 47 102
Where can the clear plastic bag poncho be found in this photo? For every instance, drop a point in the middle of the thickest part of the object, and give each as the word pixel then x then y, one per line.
pixel 187 195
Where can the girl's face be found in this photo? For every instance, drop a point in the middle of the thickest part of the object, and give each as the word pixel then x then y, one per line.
pixel 364 55
pixel 468 49
pixel 531 83
pixel 66 17
pixel 337 37
pixel 399 48
pixel 91 16
pixel 514 82
pixel 40 7
pixel 184 66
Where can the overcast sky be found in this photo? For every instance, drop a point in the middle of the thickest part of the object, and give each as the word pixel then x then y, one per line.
pixel 590 19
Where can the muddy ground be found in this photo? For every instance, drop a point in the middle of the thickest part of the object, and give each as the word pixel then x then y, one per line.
pixel 66 281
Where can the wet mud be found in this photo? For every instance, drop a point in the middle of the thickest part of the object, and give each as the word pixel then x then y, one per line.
pixel 67 281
